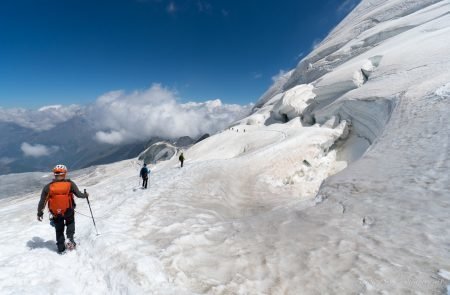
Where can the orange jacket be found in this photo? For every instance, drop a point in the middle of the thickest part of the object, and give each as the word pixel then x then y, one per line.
pixel 59 194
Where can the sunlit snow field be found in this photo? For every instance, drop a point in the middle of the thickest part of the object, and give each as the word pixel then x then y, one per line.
pixel 208 227
pixel 337 183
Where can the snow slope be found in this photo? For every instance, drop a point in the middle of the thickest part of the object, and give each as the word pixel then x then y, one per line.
pixel 337 183
pixel 150 239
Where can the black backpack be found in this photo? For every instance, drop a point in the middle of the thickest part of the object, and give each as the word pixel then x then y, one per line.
pixel 144 172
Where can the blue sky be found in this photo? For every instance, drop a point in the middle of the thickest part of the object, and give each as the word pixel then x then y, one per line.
pixel 72 51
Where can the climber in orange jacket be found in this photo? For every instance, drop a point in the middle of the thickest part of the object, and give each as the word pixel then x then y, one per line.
pixel 59 196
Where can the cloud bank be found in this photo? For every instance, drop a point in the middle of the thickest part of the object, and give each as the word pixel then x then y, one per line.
pixel 40 120
pixel 119 117
pixel 126 117
pixel 37 150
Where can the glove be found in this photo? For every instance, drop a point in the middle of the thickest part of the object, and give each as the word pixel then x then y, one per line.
pixel 39 216
pixel 86 194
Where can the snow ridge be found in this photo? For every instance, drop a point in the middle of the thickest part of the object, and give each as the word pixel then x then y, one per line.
pixel 337 183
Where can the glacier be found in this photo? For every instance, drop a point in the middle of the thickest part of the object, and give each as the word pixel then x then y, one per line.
pixel 336 183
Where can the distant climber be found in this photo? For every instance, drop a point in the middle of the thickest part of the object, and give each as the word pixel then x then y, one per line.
pixel 59 196
pixel 144 174
pixel 181 158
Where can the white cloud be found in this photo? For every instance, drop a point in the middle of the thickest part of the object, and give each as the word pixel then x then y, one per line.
pixel 204 6
pixel 126 117
pixel 278 76
pixel 316 43
pixel 43 119
pixel 257 75
pixel 37 150
pixel 6 160
pixel 119 117
pixel 347 6
pixel 299 56
pixel 111 137
pixel 171 8
pixel 51 107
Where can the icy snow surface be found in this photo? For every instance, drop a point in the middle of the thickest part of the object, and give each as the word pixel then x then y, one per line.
pixel 337 183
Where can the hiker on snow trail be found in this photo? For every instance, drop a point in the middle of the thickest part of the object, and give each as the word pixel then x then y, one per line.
pixel 181 158
pixel 144 174
pixel 59 195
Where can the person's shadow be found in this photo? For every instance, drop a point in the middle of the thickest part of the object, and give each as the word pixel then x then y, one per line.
pixel 37 243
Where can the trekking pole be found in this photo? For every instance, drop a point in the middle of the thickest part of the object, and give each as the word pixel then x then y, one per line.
pixel 89 204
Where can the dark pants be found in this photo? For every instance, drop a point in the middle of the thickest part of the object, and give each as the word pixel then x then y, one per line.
pixel 68 221
pixel 181 163
pixel 144 182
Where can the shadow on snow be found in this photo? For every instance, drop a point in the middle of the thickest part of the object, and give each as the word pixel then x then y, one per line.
pixel 38 243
